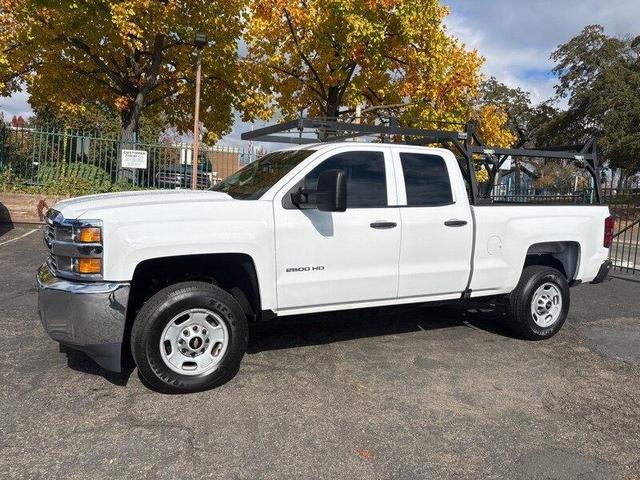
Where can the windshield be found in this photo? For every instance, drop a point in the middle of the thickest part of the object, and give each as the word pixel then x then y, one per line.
pixel 252 181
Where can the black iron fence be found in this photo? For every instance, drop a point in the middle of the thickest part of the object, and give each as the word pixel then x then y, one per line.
pixel 505 193
pixel 41 157
pixel 624 205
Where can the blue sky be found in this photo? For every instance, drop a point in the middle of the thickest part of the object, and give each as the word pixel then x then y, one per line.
pixel 516 38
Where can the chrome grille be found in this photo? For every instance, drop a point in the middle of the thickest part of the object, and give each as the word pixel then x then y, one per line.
pixel 49 237
pixel 53 264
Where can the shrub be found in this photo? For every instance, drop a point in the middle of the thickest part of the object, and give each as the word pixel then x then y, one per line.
pixel 73 178
pixel 7 179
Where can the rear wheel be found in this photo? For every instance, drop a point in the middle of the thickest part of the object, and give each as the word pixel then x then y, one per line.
pixel 189 337
pixel 539 304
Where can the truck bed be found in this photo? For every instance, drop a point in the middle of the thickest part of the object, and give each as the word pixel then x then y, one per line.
pixel 504 233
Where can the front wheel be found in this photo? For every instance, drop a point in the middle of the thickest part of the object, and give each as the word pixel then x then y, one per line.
pixel 189 337
pixel 539 305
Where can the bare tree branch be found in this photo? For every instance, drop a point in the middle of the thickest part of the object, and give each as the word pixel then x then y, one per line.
pixel 300 79
pixel 156 62
pixel 302 54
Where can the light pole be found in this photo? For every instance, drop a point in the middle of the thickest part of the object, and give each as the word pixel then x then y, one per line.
pixel 201 41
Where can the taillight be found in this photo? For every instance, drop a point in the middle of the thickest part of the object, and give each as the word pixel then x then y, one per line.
pixel 608 232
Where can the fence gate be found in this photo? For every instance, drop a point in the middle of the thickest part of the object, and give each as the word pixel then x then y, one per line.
pixel 624 205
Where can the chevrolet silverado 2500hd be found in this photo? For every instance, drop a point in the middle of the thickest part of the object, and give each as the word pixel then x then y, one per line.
pixel 175 276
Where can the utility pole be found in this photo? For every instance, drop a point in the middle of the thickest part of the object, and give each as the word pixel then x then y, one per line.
pixel 201 41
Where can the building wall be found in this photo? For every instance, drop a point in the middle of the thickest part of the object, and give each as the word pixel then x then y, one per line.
pixel 224 163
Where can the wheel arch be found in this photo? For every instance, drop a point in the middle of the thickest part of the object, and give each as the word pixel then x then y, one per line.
pixel 234 272
pixel 561 255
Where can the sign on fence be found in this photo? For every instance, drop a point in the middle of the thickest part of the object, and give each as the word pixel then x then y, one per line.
pixel 134 159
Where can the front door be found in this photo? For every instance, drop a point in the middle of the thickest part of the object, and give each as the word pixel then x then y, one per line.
pixel 340 258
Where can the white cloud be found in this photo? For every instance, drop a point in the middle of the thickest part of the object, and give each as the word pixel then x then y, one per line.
pixel 17 104
pixel 517 37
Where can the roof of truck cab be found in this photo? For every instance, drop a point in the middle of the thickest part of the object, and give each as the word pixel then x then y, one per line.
pixel 327 145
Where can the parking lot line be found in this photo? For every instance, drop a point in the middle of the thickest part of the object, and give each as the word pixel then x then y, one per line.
pixel 21 236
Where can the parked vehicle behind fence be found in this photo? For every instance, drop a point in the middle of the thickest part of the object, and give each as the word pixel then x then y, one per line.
pixel 180 176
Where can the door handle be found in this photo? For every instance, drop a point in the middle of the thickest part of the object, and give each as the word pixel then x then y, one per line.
pixel 383 225
pixel 455 223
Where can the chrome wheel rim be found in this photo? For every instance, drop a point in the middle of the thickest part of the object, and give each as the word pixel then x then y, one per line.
pixel 546 305
pixel 194 342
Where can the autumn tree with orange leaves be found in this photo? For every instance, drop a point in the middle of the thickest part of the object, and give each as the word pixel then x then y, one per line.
pixel 323 57
pixel 393 57
pixel 127 57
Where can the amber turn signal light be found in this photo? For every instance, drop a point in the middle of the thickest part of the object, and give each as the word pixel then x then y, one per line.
pixel 90 235
pixel 89 265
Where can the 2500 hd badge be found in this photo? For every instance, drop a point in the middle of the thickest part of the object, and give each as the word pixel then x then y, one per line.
pixel 305 269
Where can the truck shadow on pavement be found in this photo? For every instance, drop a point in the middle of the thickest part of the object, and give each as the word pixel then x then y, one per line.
pixel 330 327
pixel 80 362
pixel 333 327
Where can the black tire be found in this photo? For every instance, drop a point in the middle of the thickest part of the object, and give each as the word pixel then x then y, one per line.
pixel 154 316
pixel 521 319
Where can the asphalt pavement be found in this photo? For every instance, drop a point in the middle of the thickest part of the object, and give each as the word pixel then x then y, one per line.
pixel 430 392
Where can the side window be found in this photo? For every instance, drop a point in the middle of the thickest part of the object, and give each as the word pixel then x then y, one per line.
pixel 366 180
pixel 426 179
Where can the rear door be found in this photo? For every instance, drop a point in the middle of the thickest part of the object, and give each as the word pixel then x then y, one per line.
pixel 351 257
pixel 437 228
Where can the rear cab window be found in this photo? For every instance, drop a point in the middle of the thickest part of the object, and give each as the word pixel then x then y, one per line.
pixel 426 179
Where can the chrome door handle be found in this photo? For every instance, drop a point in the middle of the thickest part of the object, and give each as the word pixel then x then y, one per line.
pixel 455 223
pixel 383 225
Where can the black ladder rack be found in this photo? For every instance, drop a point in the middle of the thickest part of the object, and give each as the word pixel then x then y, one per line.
pixel 466 143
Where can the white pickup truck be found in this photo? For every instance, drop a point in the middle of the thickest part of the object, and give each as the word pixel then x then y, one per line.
pixel 174 278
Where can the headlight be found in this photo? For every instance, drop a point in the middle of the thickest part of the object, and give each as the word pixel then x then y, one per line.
pixel 88 265
pixel 75 247
pixel 89 234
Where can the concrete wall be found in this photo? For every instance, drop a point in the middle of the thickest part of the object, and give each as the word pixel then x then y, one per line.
pixel 25 208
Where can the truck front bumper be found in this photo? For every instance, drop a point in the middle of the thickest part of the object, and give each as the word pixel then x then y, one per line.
pixel 88 316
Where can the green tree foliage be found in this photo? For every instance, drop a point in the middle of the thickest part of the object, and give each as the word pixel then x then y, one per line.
pixel 600 77
pixel 516 103
pixel 100 121
pixel 529 123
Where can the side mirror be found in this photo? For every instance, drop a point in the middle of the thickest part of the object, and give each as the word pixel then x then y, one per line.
pixel 331 195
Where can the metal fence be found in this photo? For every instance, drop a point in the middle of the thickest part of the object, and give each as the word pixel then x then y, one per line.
pixel 505 193
pixel 624 205
pixel 41 156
